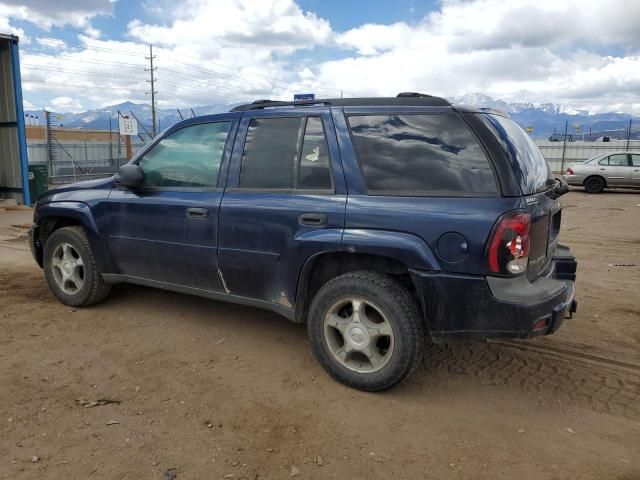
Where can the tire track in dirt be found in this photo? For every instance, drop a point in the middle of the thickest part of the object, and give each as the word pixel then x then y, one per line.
pixel 570 354
pixel 564 376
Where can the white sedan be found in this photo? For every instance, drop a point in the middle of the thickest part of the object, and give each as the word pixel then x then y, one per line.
pixel 607 170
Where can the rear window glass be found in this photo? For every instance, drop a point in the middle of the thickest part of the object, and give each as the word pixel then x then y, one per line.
pixel 420 154
pixel 529 164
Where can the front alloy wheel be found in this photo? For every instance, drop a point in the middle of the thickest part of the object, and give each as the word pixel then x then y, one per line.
pixel 71 270
pixel 67 268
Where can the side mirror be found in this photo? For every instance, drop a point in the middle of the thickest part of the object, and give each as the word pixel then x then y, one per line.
pixel 129 175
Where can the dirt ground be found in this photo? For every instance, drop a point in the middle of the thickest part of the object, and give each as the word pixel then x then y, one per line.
pixel 220 391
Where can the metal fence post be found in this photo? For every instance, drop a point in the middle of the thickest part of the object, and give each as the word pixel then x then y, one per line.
pixel 564 146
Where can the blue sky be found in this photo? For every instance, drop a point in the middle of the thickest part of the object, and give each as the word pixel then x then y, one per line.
pixel 83 54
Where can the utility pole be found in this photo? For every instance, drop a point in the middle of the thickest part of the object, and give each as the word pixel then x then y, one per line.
pixel 629 133
pixel 153 91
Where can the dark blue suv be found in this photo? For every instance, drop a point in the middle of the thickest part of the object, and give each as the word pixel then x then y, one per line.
pixel 378 222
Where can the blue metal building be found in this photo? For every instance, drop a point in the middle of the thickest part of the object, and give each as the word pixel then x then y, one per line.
pixel 14 179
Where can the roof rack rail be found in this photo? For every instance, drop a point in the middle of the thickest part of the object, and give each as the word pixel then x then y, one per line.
pixel 405 99
pixel 413 95
pixel 260 104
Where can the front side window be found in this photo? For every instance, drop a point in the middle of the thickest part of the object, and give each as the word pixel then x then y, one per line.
pixel 635 159
pixel 285 154
pixel 420 154
pixel 187 158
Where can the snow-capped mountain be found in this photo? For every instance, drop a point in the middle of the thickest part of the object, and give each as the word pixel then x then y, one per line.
pixel 99 119
pixel 485 101
pixel 543 118
pixel 547 118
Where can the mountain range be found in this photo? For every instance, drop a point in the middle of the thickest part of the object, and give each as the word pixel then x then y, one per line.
pixel 543 118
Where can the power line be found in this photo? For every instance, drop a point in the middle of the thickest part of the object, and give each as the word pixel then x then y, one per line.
pixel 82 60
pixel 198 90
pixel 274 82
pixel 86 72
pixel 63 43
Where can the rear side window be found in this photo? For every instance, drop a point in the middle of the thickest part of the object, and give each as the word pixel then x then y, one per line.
pixel 635 159
pixel 529 164
pixel 420 154
pixel 619 160
pixel 286 154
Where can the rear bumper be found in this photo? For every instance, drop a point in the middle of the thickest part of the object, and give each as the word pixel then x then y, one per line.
pixel 574 179
pixel 493 307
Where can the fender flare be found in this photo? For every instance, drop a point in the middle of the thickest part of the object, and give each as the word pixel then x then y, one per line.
pixel 81 213
pixel 408 249
pixel 405 248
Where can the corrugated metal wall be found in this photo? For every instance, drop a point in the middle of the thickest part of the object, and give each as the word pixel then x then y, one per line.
pixel 10 169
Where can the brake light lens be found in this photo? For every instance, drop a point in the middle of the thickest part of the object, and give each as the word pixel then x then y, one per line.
pixel 569 171
pixel 509 248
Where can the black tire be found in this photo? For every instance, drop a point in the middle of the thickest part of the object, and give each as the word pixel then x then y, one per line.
pixel 93 289
pixel 401 311
pixel 594 184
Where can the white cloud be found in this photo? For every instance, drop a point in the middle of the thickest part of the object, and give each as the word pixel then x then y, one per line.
pixel 47 13
pixel 5 26
pixel 516 50
pixel 65 104
pixel 263 24
pixel 371 39
pixel 583 53
pixel 50 42
pixel 496 24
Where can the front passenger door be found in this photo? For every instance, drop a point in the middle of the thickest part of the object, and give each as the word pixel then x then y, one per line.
pixel 166 230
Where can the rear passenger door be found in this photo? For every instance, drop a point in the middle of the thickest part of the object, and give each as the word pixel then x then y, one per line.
pixel 284 202
pixel 616 169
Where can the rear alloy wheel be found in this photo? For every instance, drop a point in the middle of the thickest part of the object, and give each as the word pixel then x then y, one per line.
pixel 70 268
pixel 366 330
pixel 594 184
pixel 358 335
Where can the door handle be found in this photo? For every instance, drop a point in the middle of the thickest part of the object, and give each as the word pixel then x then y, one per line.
pixel 197 213
pixel 313 219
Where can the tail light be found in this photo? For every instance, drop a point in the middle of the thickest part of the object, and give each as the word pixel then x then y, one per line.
pixel 569 171
pixel 509 248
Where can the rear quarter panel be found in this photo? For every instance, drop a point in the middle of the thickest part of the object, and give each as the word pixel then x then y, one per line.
pixel 429 218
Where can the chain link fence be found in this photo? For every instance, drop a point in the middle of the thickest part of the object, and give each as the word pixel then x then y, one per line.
pixel 73 161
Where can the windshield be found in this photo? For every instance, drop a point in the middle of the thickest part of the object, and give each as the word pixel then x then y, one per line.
pixel 529 164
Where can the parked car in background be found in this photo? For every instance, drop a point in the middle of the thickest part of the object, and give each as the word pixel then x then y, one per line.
pixel 377 222
pixel 607 170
